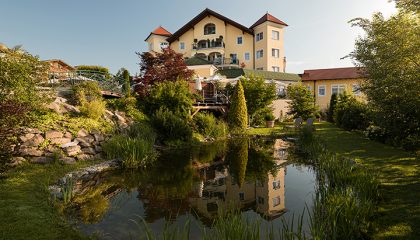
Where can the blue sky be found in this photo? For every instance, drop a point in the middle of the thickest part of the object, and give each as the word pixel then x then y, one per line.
pixel 109 32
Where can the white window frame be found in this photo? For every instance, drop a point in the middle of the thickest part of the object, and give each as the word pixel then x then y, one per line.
pixel 181 46
pixel 249 56
pixel 260 54
pixel 356 89
pixel 325 90
pixel 275 35
pixel 242 40
pixel 339 87
pixel 275 53
pixel 276 69
pixel 259 36
pixel 276 201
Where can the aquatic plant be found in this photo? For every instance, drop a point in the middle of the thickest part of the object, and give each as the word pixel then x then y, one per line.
pixel 67 190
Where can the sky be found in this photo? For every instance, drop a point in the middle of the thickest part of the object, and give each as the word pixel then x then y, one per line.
pixel 109 32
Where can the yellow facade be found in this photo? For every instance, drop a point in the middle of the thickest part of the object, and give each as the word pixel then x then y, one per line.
pixel 230 43
pixel 346 85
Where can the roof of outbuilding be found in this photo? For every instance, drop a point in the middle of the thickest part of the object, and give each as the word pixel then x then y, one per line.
pixel 332 73
pixel 199 17
pixel 270 18
pixel 268 75
pixel 194 61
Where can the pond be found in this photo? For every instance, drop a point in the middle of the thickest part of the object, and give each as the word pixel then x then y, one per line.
pixel 194 185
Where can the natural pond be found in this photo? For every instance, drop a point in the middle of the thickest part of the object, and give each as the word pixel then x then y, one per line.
pixel 193 186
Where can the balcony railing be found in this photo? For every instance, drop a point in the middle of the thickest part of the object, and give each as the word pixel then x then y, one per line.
pixel 226 61
pixel 204 44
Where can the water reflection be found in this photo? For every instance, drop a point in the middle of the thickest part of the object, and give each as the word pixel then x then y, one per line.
pixel 247 174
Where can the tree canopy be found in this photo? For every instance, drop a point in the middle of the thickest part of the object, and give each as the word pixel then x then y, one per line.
pixel 303 103
pixel 160 67
pixel 390 56
pixel 238 113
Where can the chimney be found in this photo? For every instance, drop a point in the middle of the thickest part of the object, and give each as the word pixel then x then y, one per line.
pixel 284 64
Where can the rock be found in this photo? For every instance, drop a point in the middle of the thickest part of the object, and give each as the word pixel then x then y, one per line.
pixel 55 192
pixel 98 156
pixel 55 107
pixel 98 148
pixel 99 137
pixel 32 130
pixel 30 151
pixel 86 141
pixel 72 150
pixel 41 160
pixel 70 144
pixel 16 161
pixel 53 134
pixel 68 135
pixel 60 141
pixel 108 114
pixel 67 160
pixel 120 119
pixel 70 108
pixel 26 137
pixel 82 133
pixel 84 157
pixel 35 141
pixel 89 150
pixel 60 100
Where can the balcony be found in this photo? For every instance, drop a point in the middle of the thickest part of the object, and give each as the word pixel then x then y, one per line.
pixel 208 44
pixel 226 62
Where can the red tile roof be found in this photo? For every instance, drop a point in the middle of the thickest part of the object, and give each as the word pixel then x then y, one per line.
pixel 332 73
pixel 270 18
pixel 161 31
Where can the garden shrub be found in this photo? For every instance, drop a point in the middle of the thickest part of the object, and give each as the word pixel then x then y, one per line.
pixel 331 108
pixel 351 114
pixel 238 113
pixel 86 91
pixel 171 127
pixel 376 133
pixel 258 118
pixel 303 101
pixel 141 130
pixel 94 109
pixel 208 126
pixel 129 106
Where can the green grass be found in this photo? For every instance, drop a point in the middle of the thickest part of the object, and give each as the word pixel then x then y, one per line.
pixel 26 211
pixel 263 131
pixel 399 175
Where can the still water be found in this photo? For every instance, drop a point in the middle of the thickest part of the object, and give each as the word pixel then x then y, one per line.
pixel 194 185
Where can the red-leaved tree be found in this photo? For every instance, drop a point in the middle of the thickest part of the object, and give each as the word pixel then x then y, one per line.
pixel 160 67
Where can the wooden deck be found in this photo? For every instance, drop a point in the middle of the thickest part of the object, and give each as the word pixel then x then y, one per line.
pixel 221 107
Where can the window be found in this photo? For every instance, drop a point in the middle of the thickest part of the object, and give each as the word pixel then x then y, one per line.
pixel 242 196
pixel 181 45
pixel 275 35
pixel 164 45
pixel 276 201
pixel 209 28
pixel 260 200
pixel 338 89
pixel 260 68
pixel 276 184
pixel 321 90
pixel 275 52
pixel 260 54
pixel 276 69
pixel 356 89
pixel 239 40
pixel 259 36
pixel 247 56
pixel 234 58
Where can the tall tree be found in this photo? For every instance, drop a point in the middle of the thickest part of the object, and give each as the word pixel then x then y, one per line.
pixel 238 113
pixel 258 94
pixel 160 67
pixel 390 56
pixel 303 103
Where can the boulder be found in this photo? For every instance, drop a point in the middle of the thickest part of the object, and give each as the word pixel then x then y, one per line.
pixel 84 157
pixel 60 141
pixel 26 137
pixel 16 161
pixel 67 160
pixel 30 151
pixel 68 135
pixel 41 160
pixel 88 150
pixel 99 137
pixel 98 148
pixel 70 108
pixel 35 141
pixel 70 144
pixel 82 133
pixel 86 141
pixel 72 150
pixel 55 107
pixel 53 134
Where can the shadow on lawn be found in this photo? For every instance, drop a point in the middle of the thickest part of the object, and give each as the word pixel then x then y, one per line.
pixel 399 174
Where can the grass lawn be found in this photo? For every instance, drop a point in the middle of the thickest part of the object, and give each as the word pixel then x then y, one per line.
pixel 25 209
pixel 399 174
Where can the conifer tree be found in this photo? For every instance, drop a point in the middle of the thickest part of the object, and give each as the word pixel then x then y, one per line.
pixel 238 114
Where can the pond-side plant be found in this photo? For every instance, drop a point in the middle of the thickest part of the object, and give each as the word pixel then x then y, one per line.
pixel 209 126
pixel 67 190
